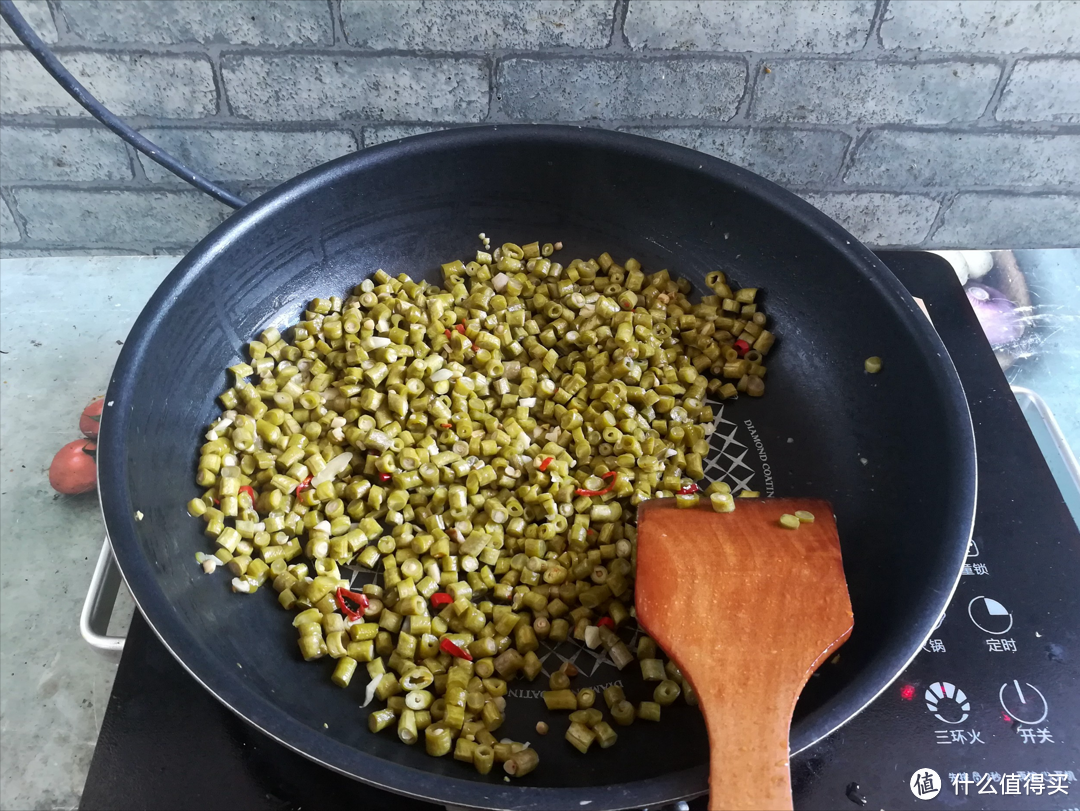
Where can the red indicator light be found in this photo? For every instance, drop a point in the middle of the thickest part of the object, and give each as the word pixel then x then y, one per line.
pixel 1007 718
pixel 907 692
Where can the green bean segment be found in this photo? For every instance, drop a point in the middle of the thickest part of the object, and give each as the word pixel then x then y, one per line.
pixel 480 446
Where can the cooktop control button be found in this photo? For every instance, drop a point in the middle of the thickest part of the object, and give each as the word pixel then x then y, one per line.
pixel 947 702
pixel 990 616
pixel 1023 702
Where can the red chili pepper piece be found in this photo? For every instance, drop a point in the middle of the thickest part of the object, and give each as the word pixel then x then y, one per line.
pixel 250 492
pixel 606 622
pixel 689 490
pixel 440 599
pixel 384 478
pixel 304 485
pixel 611 477
pixel 460 328
pixel 447 426
pixel 742 347
pixel 448 333
pixel 446 646
pixel 361 601
pixel 544 465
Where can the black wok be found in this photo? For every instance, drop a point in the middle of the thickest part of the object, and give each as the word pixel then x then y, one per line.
pixel 893 452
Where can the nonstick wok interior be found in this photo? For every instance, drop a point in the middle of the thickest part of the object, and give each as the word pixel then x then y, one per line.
pixel 892 452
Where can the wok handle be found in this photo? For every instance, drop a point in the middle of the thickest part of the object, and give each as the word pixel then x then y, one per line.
pixel 98 606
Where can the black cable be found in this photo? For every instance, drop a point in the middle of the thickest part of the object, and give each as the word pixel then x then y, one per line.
pixel 49 61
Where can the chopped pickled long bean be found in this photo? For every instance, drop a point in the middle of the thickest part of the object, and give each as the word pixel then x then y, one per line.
pixel 481 444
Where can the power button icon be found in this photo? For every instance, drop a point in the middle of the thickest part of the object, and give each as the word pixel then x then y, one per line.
pixel 1023 702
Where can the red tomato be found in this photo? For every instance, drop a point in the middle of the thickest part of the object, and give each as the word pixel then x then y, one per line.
pixel 91 417
pixel 74 468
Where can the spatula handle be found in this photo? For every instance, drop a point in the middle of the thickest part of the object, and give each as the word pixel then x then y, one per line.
pixel 748 728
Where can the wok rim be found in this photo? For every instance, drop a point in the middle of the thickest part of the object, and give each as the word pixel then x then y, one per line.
pixel 421 784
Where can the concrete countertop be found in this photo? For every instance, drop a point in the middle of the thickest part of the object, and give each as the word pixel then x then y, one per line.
pixel 62 321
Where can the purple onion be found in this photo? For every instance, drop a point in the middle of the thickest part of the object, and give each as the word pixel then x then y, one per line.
pixel 1000 321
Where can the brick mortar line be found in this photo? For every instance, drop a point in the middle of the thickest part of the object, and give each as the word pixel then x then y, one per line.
pixel 221 103
pixel 847 160
pixel 115 185
pixel 18 251
pixel 619 42
pixel 7 196
pixel 234 123
pixel 999 89
pixel 746 100
pixel 553 54
pixel 947 201
pixel 565 53
pixel 874 42
pixel 337 23
pixel 912 55
pixel 40 245
pixel 357 133
pixel 1042 128
pixel 494 109
pixel 248 183
pixel 59 20
pixel 1038 57
pixel 1068 190
pixel 998 128
pixel 134 49
pixel 550 52
pixel 222 124
pixel 134 163
pixel 1036 128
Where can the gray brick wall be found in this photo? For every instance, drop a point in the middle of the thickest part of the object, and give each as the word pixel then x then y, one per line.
pixel 307 87
pixel 819 91
pixel 62 154
pixel 35 12
pixel 952 123
pixel 247 155
pixel 129 84
pixel 283 23
pixel 116 216
pixel 477 25
pixel 1042 90
pixel 9 231
pixel 807 26
pixel 602 90
pixel 766 150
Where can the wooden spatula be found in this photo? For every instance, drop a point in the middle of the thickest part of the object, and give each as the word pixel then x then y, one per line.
pixel 748 610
